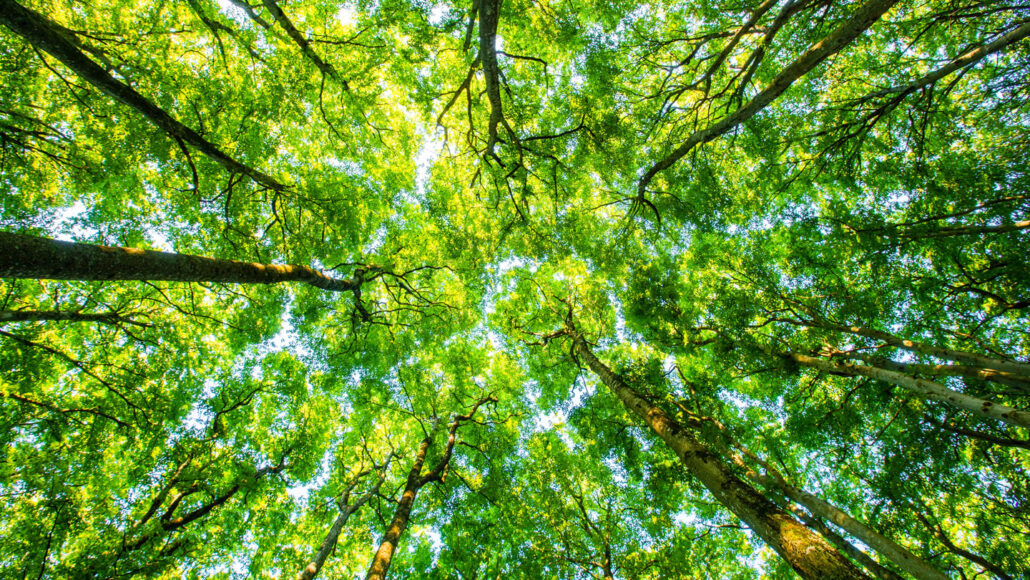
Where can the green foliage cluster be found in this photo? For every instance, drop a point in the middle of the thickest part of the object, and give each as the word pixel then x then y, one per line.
pixel 873 214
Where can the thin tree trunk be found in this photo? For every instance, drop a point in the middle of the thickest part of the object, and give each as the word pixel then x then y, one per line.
pixel 866 15
pixel 329 543
pixel 384 555
pixel 938 532
pixel 24 256
pixel 922 387
pixel 803 549
pixel 43 34
pixel 983 361
pixel 966 371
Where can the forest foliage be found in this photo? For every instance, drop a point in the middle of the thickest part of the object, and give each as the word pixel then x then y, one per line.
pixel 521 289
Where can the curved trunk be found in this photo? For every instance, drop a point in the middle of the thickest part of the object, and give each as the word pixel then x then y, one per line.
pixel 802 548
pixel 24 256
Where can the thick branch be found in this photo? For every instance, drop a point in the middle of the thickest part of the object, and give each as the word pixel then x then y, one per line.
pixel 921 387
pixel 40 316
pixel 42 34
pixel 969 58
pixel 864 17
pixel 23 256
pixel 305 46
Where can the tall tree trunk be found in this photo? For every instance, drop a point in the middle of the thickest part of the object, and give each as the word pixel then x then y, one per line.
pixel 843 544
pixel 401 516
pixel 24 256
pixel 44 35
pixel 606 563
pixel 488 16
pixel 922 387
pixel 803 549
pixel 774 481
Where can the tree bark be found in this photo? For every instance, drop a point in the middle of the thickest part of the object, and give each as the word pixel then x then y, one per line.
pixel 922 387
pixel 384 555
pixel 979 360
pixel 776 482
pixel 966 371
pixel 329 543
pixel 42 34
pixel 867 15
pixel 806 552
pixel 24 256
pixel 844 545
pixel 891 550
pixel 488 15
pixel 970 57
pixel 401 516
pixel 56 315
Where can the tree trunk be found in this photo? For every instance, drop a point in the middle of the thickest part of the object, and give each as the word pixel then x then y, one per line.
pixel 908 561
pixel 844 545
pixel 329 543
pixel 774 481
pixel 24 256
pixel 381 561
pixel 803 549
pixel 56 315
pixel 948 370
pixel 983 361
pixel 488 15
pixel 42 34
pixel 922 387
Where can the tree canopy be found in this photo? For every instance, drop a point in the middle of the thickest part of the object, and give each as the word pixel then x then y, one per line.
pixel 488 289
